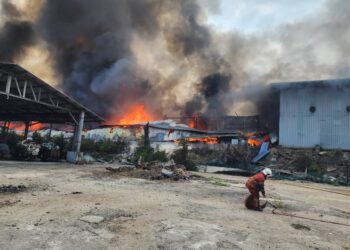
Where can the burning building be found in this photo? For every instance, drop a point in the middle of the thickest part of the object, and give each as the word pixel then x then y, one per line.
pixel 315 113
pixel 163 135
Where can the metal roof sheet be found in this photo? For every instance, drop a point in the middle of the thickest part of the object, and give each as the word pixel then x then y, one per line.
pixel 25 97
pixel 345 82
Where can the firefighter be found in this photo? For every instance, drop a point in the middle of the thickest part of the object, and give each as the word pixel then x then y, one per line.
pixel 255 184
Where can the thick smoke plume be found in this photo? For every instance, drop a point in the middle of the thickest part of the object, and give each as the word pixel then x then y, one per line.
pixel 96 54
pixel 111 54
pixel 15 34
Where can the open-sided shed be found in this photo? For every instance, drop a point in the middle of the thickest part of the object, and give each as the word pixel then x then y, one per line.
pixel 26 98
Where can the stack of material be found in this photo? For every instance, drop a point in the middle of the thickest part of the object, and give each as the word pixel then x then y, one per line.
pixel 153 171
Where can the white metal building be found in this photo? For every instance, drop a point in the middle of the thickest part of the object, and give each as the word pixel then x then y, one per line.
pixel 315 113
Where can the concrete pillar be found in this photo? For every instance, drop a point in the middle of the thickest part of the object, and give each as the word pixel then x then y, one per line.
pixel 26 130
pixel 8 126
pixel 146 135
pixel 77 136
pixel 4 127
pixel 50 131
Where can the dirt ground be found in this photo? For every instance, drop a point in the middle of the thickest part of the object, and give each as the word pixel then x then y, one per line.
pixel 58 208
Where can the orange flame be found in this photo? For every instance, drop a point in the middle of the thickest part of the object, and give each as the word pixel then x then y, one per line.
pixel 192 123
pixel 133 115
pixel 36 126
pixel 206 140
pixel 18 126
pixel 254 142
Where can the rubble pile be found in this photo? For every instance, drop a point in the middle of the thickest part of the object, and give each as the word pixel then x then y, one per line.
pixel 237 156
pixel 12 188
pixel 153 171
pixel 332 165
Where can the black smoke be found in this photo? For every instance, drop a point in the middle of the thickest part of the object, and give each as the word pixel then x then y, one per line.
pixel 162 53
pixel 15 34
pixel 90 42
pixel 209 103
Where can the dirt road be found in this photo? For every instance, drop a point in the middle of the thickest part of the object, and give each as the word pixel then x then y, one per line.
pixel 85 207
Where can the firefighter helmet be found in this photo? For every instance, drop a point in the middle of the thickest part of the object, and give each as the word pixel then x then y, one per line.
pixel 267 172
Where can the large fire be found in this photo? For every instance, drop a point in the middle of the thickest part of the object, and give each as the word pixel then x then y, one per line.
pixel 206 140
pixel 136 113
pixel 19 126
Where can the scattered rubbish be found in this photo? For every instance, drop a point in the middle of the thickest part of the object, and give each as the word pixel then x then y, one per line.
pixel 31 149
pixel 153 171
pixel 120 169
pixel 76 192
pixel 329 178
pixel 167 173
pixel 273 138
pixel 92 219
pixel 38 223
pixel 12 188
pixel 300 227
pixel 88 159
pixel 264 151
pixel 8 203
pixel 49 151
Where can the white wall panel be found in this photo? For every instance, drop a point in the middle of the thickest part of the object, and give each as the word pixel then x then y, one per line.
pixel 328 127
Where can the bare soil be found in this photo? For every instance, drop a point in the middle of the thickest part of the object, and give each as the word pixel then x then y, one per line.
pixel 206 212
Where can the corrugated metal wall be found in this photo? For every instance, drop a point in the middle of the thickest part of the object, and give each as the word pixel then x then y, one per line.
pixel 328 126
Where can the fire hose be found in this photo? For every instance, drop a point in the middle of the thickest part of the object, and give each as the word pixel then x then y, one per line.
pixel 316 188
pixel 278 212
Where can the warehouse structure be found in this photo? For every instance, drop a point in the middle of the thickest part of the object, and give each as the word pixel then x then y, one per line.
pixel 26 98
pixel 315 113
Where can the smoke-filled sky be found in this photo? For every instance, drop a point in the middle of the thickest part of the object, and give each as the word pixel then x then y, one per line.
pixel 175 57
pixel 252 16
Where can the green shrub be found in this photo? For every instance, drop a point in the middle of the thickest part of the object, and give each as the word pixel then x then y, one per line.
pixel 12 140
pixel 63 144
pixel 148 154
pixel 315 170
pixel 180 156
pixel 112 147
pixel 88 146
pixel 160 156
pixel 37 138
pixel 103 147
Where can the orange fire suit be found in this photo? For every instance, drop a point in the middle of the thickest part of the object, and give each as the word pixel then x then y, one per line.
pixel 255 184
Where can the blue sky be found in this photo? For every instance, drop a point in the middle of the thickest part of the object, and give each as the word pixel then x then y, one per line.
pixel 251 16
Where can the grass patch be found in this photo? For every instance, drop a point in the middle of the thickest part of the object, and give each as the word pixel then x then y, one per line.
pixel 299 226
pixel 212 180
pixel 219 183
